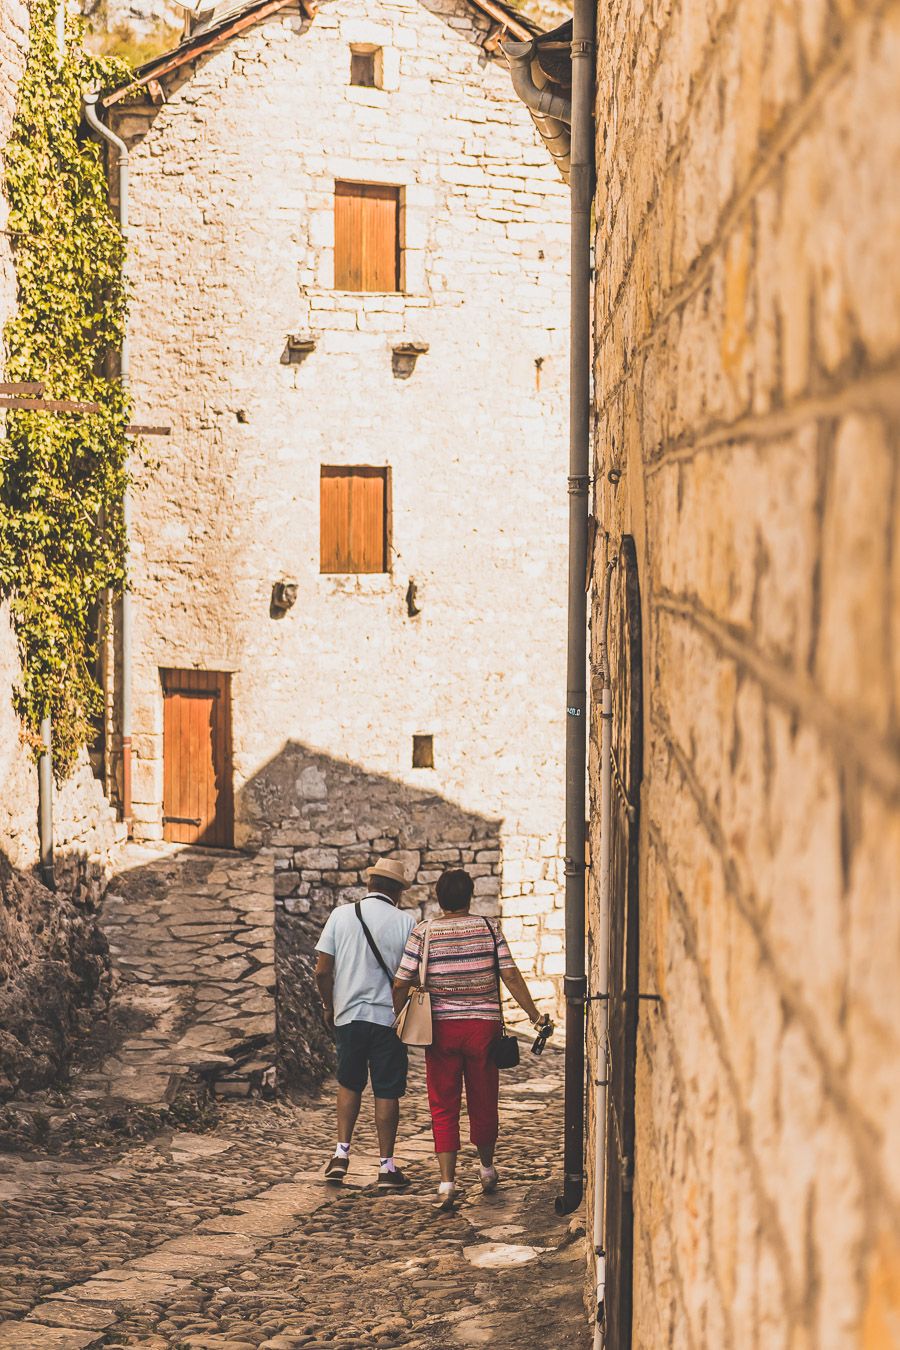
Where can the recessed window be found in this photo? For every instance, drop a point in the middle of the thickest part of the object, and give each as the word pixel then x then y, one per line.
pixel 354 528
pixel 366 66
pixel 366 237
pixel 423 752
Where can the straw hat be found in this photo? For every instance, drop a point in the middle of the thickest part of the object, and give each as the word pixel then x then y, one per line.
pixel 388 870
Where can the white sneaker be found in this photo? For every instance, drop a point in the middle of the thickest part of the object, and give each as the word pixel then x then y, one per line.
pixel 489 1179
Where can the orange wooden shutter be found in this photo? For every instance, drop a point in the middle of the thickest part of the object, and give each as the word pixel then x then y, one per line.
pixel 366 237
pixel 353 524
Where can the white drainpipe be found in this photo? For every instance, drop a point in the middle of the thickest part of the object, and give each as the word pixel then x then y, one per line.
pixel 601 992
pixel 93 121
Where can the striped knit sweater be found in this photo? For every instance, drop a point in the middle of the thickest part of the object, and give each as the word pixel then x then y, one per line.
pixel 461 976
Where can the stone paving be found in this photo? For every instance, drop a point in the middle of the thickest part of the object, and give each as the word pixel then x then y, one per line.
pixel 230 1239
pixel 191 937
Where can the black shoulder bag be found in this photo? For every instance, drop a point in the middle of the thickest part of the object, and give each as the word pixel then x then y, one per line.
pixel 505 1051
pixel 371 941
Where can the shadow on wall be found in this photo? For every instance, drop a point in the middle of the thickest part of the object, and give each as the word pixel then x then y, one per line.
pixel 324 821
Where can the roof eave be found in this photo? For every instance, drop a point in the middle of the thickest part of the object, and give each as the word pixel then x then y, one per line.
pixel 210 38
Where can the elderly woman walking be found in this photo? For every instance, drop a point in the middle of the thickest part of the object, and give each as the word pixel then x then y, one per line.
pixel 464 951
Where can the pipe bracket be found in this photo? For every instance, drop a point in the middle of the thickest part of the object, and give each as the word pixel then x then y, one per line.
pixel 583 47
pixel 579 484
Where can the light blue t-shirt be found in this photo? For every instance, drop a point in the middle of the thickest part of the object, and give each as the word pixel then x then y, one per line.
pixel 361 989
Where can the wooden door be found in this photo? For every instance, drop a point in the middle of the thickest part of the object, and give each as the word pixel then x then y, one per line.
pixel 198 805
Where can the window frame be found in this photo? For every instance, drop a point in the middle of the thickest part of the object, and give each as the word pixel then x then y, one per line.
pixel 382 471
pixel 359 188
pixel 371 50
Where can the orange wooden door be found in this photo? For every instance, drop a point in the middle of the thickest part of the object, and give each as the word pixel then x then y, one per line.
pixel 198 806
pixel 366 237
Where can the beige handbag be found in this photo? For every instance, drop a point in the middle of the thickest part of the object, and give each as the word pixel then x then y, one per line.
pixel 413 1022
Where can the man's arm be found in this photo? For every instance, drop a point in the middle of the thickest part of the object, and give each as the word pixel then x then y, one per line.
pixel 325 986
pixel 400 993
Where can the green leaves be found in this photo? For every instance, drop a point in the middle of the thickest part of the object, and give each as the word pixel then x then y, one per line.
pixel 62 476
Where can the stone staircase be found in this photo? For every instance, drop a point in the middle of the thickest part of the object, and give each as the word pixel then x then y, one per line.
pixel 191 935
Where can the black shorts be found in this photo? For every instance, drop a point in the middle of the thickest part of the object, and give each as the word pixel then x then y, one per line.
pixel 365 1048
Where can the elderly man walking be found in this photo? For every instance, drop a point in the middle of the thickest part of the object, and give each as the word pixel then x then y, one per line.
pixel 358 952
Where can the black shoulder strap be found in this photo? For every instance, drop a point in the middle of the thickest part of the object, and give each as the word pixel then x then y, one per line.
pixel 371 941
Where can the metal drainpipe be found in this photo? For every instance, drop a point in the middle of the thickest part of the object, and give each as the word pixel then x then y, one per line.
pixel 45 805
pixel 582 185
pixel 93 121
pixel 602 985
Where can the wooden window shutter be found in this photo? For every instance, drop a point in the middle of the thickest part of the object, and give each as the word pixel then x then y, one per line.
pixel 366 237
pixel 354 518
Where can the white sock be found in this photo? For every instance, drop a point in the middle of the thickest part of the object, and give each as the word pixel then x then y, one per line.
pixel 487 1171
pixel 388 1164
pixel 446 1186
pixel 342 1151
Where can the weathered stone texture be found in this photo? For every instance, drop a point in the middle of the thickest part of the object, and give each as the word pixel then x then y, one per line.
pixel 747 363
pixel 232 209
pixel 53 963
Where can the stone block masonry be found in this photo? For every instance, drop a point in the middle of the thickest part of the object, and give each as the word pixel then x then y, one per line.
pixel 748 394
pixel 232 249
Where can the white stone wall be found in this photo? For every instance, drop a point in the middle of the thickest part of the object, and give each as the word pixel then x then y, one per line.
pixel 232 250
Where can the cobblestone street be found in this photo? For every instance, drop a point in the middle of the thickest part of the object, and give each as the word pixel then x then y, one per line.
pixel 222 1234
pixel 230 1239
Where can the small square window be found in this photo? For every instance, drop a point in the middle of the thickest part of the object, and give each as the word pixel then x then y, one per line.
pixel 366 66
pixel 423 752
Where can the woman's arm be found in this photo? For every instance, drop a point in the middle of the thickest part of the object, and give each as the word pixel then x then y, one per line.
pixel 400 993
pixel 512 978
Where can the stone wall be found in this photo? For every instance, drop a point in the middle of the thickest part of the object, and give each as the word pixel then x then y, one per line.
pixel 232 210
pixel 748 392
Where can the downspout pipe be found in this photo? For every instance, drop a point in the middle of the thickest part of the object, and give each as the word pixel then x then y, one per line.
pixel 601 992
pixel 45 805
pixel 93 121
pixel 575 985
pixel 544 102
pixel 552 113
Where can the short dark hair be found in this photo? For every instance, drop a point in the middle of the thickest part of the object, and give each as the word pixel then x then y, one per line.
pixel 454 889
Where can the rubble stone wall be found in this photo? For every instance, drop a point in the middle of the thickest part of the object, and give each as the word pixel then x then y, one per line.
pixel 748 392
pixel 232 250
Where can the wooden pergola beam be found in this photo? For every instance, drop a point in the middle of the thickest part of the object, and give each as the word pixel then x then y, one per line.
pixel 68 405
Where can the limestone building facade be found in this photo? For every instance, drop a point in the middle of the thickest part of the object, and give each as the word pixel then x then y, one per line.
pixel 348 267
pixel 747 482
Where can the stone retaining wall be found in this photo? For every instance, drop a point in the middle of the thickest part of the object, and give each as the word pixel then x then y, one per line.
pixel 748 396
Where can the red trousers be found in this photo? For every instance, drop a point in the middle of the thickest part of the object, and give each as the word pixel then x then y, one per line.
pixel 461 1050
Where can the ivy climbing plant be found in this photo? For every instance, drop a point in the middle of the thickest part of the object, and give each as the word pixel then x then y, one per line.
pixel 62 475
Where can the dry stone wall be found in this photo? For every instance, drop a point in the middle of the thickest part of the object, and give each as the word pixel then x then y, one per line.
pixel 232 210
pixel 748 396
